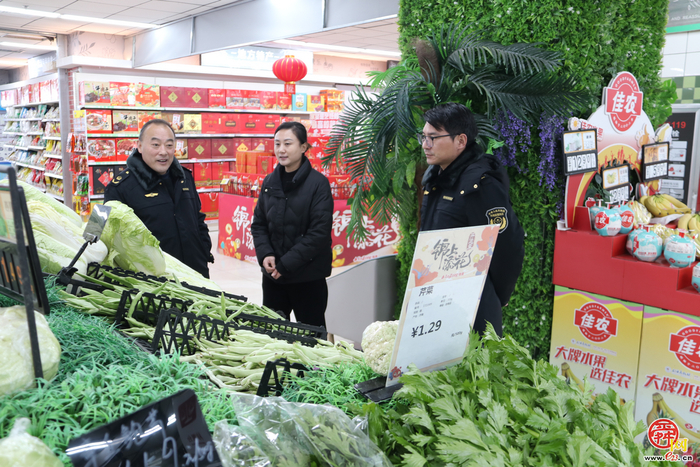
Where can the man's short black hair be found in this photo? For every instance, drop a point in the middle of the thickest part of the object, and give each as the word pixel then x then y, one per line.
pixel 156 121
pixel 453 118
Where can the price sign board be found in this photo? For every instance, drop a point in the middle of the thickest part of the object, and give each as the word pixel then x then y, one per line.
pixel 170 432
pixel 616 180
pixel 444 289
pixel 580 149
pixel 655 161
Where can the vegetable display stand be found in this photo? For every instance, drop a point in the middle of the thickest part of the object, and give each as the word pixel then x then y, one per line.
pixel 97 271
pixel 178 331
pixel 277 373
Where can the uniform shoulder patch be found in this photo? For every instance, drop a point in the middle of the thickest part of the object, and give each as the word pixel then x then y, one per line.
pixel 498 216
pixel 120 178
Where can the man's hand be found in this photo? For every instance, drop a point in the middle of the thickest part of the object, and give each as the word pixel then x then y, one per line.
pixel 276 274
pixel 269 264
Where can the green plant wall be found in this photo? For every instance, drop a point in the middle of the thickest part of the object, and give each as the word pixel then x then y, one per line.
pixel 597 39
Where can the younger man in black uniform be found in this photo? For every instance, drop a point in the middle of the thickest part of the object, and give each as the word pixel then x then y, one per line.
pixel 465 187
pixel 163 195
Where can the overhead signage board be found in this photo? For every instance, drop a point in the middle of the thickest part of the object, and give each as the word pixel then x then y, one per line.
pixel 683 15
pixel 254 58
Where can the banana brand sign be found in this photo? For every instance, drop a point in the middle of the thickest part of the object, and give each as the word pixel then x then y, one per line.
pixel 669 361
pixel 598 338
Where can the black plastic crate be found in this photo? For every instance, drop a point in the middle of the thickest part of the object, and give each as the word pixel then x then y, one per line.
pixel 97 271
pixel 176 330
pixel 276 375
pixel 279 328
pixel 148 307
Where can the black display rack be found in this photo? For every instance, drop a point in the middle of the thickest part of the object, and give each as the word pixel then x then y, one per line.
pixel 276 374
pixel 20 271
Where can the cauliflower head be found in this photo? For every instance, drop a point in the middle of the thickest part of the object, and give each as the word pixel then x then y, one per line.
pixel 378 343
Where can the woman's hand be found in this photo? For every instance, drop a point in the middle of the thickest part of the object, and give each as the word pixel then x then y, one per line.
pixel 269 264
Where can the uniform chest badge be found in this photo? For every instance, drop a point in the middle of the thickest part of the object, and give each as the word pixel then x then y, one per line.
pixel 151 195
pixel 498 216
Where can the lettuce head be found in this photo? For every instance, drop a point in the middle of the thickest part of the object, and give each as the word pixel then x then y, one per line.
pixel 131 245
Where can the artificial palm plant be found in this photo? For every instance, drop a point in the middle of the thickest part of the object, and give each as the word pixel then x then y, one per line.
pixel 376 134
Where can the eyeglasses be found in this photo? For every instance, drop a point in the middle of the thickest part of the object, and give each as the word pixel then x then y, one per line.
pixel 429 139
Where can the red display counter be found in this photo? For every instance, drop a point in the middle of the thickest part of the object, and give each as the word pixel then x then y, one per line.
pixel 236 240
pixel 584 260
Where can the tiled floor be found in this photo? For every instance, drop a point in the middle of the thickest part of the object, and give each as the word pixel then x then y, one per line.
pixel 235 276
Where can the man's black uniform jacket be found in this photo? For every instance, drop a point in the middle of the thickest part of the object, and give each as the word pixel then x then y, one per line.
pixel 176 221
pixel 473 190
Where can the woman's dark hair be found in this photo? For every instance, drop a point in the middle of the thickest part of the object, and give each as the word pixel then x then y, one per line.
pixel 297 128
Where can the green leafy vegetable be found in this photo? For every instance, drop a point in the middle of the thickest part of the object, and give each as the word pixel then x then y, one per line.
pixel 131 245
pixel 16 367
pixel 498 407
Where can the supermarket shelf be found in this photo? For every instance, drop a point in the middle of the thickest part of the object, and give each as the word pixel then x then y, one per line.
pixel 53 175
pixel 53 156
pixel 33 104
pixel 60 198
pixel 12 133
pixel 200 109
pixel 35 186
pixel 112 135
pixel 26 148
pixel 186 135
pixel 29 119
pixel 181 161
pixel 36 167
pixel 54 138
pixel 12 119
pixel 220 159
pixel 51 120
pixel 91 163
pixel 199 190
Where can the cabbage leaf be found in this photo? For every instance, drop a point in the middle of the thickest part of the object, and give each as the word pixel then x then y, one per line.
pixel 16 368
pixel 131 245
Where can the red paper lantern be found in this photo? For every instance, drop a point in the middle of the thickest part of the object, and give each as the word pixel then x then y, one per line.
pixel 289 70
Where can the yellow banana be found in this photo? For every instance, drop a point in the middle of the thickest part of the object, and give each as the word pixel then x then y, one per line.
pixel 655 411
pixel 694 223
pixel 684 221
pixel 677 203
pixel 650 204
pixel 692 436
pixel 569 375
pixel 641 200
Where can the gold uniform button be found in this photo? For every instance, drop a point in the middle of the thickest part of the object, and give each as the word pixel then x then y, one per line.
pixel 476 186
pixel 461 192
pixel 433 188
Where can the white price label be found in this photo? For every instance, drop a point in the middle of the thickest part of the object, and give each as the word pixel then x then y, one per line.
pixel 581 162
pixel 618 195
pixel 655 171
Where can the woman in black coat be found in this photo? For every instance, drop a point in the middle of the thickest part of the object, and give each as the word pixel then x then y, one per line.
pixel 292 230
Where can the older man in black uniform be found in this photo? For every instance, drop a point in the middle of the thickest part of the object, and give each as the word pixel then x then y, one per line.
pixel 465 187
pixel 163 195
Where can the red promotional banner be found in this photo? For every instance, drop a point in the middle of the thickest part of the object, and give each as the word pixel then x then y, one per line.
pixel 236 240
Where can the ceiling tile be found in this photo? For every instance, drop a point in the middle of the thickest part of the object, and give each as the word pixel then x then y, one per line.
pixel 97 10
pixel 125 3
pixel 37 4
pixel 140 14
pixel 169 7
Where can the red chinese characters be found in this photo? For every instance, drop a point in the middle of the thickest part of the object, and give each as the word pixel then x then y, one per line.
pixel 623 101
pixel 686 346
pixel 595 322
